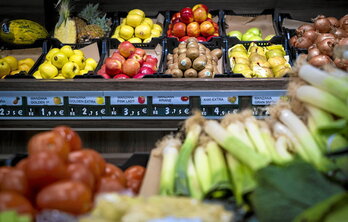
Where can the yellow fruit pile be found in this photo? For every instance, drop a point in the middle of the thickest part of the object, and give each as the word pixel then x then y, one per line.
pixel 9 65
pixel 136 28
pixel 64 63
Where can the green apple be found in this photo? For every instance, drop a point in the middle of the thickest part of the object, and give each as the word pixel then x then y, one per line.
pixel 246 36
pixel 236 34
pixel 255 31
pixel 79 60
pixel 269 37
pixel 255 38
pixel 276 61
pixel 5 68
pixel 48 71
pixel 275 53
pixel 59 59
pixel 91 62
pixel 70 70
pixel 67 50
pixel 51 53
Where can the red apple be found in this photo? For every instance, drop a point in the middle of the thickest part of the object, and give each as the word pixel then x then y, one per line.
pixel 138 76
pixel 118 56
pixel 141 99
pixel 140 52
pixel 186 15
pixel 146 71
pixel 150 65
pixel 207 28
pixel 175 16
pixel 176 21
pixel 170 27
pixel 200 5
pixel 112 66
pixel 193 29
pixel 182 39
pixel 179 29
pixel 136 57
pixel 151 59
pixel 216 26
pixel 126 49
pixel 209 20
pixel 101 70
pixel 105 76
pixel 130 67
pixel 121 76
pixel 200 14
pixel 201 39
pixel 208 38
pixel 209 15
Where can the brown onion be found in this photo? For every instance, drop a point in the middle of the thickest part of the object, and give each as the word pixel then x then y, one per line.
pixel 304 28
pixel 342 20
pixel 312 46
pixel 323 36
pixel 322 24
pixel 339 33
pixel 343 41
pixel 293 40
pixel 313 52
pixel 341 63
pixel 326 46
pixel 334 21
pixel 320 60
pixel 311 35
pixel 344 25
pixel 303 43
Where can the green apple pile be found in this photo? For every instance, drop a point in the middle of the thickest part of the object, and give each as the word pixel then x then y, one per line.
pixel 252 34
pixel 259 62
pixel 65 63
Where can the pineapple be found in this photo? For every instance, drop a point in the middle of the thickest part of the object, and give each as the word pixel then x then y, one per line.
pixel 65 30
pixel 90 32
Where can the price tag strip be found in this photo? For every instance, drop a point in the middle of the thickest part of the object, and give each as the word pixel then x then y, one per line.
pixel 122 107
pixel 171 106
pixel 11 106
pixel 260 104
pixel 216 107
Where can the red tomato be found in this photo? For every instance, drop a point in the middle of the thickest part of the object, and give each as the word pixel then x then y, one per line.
pixel 21 165
pixel 115 172
pixel 51 141
pixel 3 171
pixel 71 136
pixel 108 184
pixel 10 200
pixel 15 180
pixel 134 176
pixel 79 172
pixel 45 168
pixel 90 158
pixel 69 196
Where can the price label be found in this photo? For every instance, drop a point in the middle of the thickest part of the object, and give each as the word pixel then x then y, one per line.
pixel 45 106
pixel 171 100
pixel 171 110
pixel 128 106
pixel 219 106
pixel 45 101
pixel 260 104
pixel 128 100
pixel 86 106
pixel 11 106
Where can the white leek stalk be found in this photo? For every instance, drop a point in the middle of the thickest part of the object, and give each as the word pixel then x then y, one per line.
pixel 254 133
pixel 282 149
pixel 202 166
pixel 237 128
pixel 193 182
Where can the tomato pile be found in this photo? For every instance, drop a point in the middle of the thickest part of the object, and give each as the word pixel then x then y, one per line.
pixel 60 174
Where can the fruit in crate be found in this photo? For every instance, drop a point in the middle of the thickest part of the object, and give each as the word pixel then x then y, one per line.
pixel 137 28
pixel 21 31
pixel 65 63
pixel 9 65
pixel 128 62
pixel 192 59
pixel 252 34
pixel 259 62
pixel 196 22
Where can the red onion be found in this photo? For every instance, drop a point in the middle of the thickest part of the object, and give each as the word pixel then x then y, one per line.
pixel 311 35
pixel 293 40
pixel 303 43
pixel 320 60
pixel 326 46
pixel 339 33
pixel 321 37
pixel 333 21
pixel 341 63
pixel 304 28
pixel 322 24
pixel 313 52
pixel 343 41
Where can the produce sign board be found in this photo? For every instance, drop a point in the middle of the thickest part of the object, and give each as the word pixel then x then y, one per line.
pixel 218 106
pixel 260 104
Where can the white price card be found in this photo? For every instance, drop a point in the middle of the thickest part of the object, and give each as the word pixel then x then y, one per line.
pixel 11 101
pixel 45 100
pixel 128 100
pixel 175 100
pixel 265 100
pixel 86 100
pixel 227 100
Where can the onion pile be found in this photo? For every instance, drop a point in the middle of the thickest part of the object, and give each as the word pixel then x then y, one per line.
pixel 320 38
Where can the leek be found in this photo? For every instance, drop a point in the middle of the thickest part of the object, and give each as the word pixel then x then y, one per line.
pixel 235 146
pixel 193 182
pixel 269 141
pixel 169 146
pixel 202 166
pixel 282 149
pixel 324 81
pixel 319 139
pixel 323 100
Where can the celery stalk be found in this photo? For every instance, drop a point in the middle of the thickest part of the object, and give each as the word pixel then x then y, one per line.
pixel 193 182
pixel 323 100
pixel 202 166
pixel 235 146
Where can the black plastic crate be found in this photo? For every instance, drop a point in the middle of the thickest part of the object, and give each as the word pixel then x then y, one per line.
pixel 214 13
pixel 230 42
pixel 264 12
pixel 215 43
pixel 154 41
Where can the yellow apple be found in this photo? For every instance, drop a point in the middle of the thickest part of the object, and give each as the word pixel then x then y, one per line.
pixel 59 59
pixel 48 71
pixel 67 50
pixel 91 62
pixel 12 61
pixel 78 52
pixel 70 70
pixel 51 53
pixel 37 75
pixel 79 60
pixel 5 68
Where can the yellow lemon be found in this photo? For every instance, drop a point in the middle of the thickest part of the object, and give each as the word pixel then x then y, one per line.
pixel 134 20
pixel 51 53
pixel 126 32
pixel 149 22
pixel 137 12
pixel 155 33
pixel 135 40
pixel 157 27
pixel 37 75
pixel 143 31
pixel 48 71
pixel 147 40
pixel 79 52
pixel 12 61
